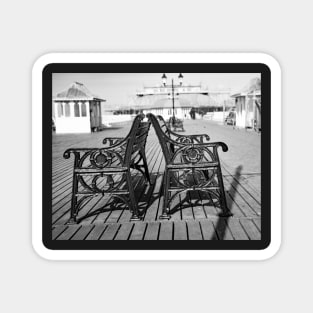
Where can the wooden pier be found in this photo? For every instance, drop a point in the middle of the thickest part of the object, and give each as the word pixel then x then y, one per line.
pixel 194 218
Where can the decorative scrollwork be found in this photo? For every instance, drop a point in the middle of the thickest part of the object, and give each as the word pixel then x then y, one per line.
pixel 101 159
pixel 102 183
pixel 191 164
pixel 184 139
pixel 110 141
pixel 107 183
pixel 194 178
pixel 106 170
pixel 192 154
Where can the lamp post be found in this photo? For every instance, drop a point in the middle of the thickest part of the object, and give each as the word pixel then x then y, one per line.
pixel 180 79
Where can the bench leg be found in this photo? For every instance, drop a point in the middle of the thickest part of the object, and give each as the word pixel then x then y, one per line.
pixel 132 203
pixel 166 209
pixel 74 211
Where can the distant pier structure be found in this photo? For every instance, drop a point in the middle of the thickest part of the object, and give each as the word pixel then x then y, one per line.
pixel 248 105
pixel 158 100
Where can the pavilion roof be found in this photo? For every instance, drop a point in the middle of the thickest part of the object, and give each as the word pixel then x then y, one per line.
pixel 254 86
pixel 181 100
pixel 76 91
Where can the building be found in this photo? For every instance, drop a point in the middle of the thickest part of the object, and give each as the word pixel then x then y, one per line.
pixel 77 110
pixel 159 100
pixel 248 105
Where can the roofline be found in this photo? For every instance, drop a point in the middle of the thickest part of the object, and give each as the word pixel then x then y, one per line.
pixel 201 92
pixel 170 107
pixel 78 99
pixel 245 94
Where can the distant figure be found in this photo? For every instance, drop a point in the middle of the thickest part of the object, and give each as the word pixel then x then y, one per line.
pixel 192 113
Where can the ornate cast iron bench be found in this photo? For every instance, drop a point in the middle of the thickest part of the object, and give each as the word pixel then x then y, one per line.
pixel 180 138
pixel 175 123
pixel 192 163
pixel 107 170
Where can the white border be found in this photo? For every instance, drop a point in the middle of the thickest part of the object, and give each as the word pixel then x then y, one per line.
pixel 156 58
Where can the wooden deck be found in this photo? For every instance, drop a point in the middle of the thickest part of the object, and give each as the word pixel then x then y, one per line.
pixel 195 217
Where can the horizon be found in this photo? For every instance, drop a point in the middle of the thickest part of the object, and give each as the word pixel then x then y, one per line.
pixel 118 88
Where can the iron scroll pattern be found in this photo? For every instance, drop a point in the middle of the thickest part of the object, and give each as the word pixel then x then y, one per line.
pixel 192 164
pixel 196 167
pixel 106 170
pixel 96 172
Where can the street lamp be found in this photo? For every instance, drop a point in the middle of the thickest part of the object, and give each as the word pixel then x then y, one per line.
pixel 180 79
pixel 164 78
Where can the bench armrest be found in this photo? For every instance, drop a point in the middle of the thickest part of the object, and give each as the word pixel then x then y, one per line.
pixel 194 152
pixel 98 157
pixel 112 140
pixel 194 138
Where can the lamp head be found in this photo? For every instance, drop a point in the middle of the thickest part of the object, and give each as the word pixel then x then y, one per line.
pixel 180 78
pixel 164 78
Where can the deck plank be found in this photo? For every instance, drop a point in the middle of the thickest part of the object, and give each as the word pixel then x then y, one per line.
pixel 222 229
pixel 96 232
pixel 154 201
pixel 124 231
pixel 243 182
pixel 194 230
pixel 166 231
pixel 257 222
pixel 251 229
pixel 237 230
pixel 110 232
pixel 197 205
pixel 240 200
pixel 180 230
pixel 208 230
pixel 138 231
pixel 187 212
pixel 57 231
pixel 152 231
pixel 83 232
pixel 69 232
pixel 154 197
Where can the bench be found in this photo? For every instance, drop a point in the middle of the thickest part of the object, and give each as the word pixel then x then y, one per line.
pixel 176 123
pixel 191 164
pixel 107 170
pixel 178 137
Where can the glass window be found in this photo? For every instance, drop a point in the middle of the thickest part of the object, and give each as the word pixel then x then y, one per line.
pixel 84 111
pixel 67 110
pixel 60 110
pixel 76 109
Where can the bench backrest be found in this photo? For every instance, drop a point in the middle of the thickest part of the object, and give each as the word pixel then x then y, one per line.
pixel 163 135
pixel 163 125
pixel 137 138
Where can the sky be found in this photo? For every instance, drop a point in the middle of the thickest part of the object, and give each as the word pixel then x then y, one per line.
pixel 117 88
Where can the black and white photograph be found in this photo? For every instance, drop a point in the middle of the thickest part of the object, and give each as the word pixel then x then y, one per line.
pixel 156 157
